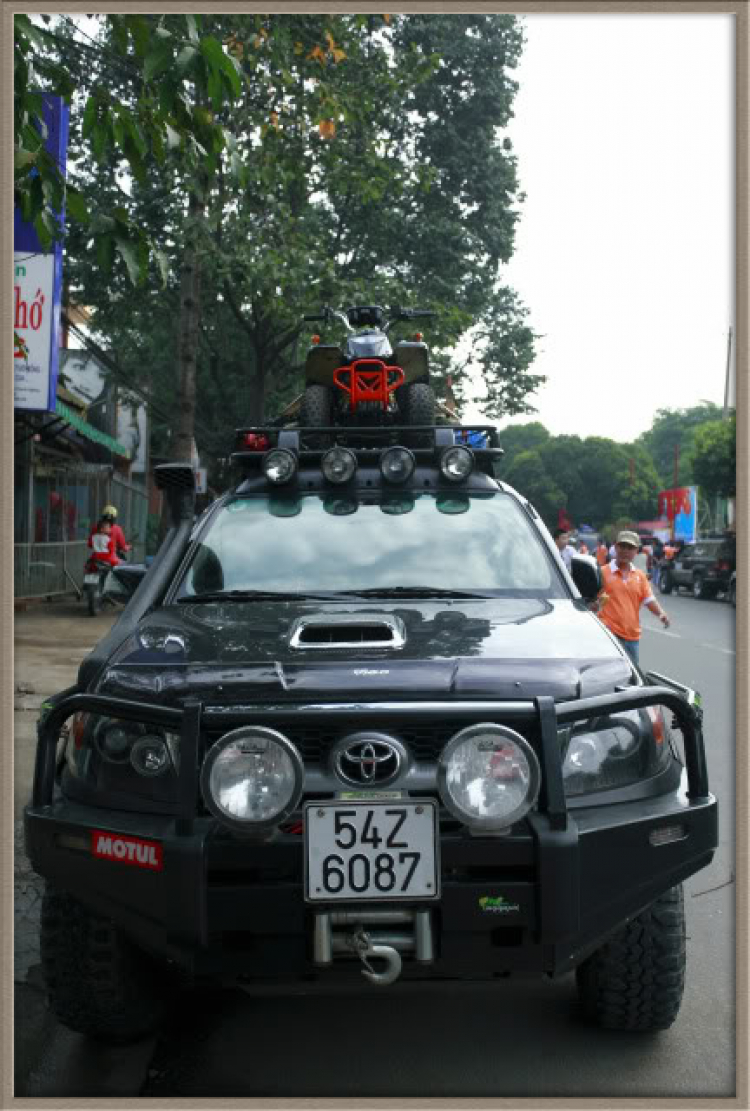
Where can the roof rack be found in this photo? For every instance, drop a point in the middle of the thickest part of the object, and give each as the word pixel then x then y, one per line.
pixel 424 441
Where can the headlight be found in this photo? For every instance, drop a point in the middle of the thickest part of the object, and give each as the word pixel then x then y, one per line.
pixel 279 466
pixel 252 778
pixel 397 464
pixel 457 463
pixel 338 465
pixel 615 751
pixel 123 742
pixel 489 776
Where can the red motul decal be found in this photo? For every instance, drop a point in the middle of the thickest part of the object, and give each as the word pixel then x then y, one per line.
pixel 127 850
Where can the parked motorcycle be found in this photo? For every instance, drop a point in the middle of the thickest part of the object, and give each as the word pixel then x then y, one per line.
pixel 367 381
pixel 106 585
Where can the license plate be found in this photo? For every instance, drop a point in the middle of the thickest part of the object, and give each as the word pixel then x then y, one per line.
pixel 91 579
pixel 371 850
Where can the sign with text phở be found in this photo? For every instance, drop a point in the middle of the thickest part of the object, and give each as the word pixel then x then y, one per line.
pixel 37 289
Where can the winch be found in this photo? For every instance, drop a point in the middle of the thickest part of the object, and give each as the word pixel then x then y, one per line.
pixel 370 935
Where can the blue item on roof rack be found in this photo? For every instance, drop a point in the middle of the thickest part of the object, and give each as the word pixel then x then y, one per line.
pixel 471 437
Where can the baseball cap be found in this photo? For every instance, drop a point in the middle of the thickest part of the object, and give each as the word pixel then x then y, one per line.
pixel 629 538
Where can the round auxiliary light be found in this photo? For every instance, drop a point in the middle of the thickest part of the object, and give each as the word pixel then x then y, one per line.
pixel 113 740
pixel 279 465
pixel 488 776
pixel 150 756
pixel 457 463
pixel 397 464
pixel 338 465
pixel 252 778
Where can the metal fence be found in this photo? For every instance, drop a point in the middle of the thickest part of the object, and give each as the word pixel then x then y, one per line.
pixel 66 505
pixel 40 570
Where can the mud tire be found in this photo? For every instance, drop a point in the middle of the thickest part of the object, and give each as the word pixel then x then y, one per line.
pixel 98 982
pixel 314 412
pixel 636 980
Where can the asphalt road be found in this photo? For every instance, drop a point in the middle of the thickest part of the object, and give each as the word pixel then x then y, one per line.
pixel 517 1038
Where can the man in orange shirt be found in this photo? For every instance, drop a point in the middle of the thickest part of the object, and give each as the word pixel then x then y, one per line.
pixel 625 590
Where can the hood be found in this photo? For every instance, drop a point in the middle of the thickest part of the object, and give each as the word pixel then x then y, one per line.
pixel 231 652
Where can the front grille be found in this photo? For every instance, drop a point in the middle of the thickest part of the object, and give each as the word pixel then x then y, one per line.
pixel 425 742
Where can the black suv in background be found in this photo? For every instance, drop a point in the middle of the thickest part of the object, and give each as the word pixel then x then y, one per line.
pixel 705 567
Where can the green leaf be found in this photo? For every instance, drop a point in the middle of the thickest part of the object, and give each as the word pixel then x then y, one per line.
pixel 40 227
pixel 75 205
pixel 100 140
pixel 140 32
pixel 105 252
pixel 163 263
pixel 192 28
pixel 23 158
pixel 90 115
pixel 121 215
pixel 173 137
pixel 157 60
pixel 130 254
pixel 185 59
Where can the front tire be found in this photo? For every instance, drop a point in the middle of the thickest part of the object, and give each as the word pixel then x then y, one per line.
pixel 636 980
pixel 701 589
pixel 98 982
pixel 666 583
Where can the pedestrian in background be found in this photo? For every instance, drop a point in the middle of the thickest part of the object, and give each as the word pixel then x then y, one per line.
pixel 625 590
pixel 601 553
pixel 561 537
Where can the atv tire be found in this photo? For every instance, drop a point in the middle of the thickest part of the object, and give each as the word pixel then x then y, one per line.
pixel 98 982
pixel 636 980
pixel 315 412
pixel 418 403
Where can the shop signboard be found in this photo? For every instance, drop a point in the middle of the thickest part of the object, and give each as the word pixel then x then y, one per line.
pixel 37 289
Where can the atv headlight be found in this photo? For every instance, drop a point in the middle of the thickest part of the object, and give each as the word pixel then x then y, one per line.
pixel 614 751
pixel 252 778
pixel 488 776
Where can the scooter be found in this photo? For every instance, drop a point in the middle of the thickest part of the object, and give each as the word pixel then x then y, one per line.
pixel 106 585
pixel 367 381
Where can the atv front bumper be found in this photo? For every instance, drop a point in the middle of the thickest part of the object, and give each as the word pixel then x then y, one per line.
pixel 539 899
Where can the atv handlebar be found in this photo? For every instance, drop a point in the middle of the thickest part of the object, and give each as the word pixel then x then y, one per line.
pixel 343 315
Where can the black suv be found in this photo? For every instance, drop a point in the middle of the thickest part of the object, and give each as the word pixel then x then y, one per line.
pixel 358 720
pixel 705 567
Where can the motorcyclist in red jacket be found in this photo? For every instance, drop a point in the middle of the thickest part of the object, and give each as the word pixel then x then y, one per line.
pixel 119 543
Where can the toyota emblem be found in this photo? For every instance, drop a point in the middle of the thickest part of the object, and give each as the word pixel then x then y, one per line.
pixel 368 759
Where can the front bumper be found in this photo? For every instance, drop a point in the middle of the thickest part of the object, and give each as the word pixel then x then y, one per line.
pixel 537 900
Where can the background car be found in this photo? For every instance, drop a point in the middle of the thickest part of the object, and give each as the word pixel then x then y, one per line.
pixel 705 567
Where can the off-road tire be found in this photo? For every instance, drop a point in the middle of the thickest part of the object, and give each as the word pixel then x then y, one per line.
pixel 666 583
pixel 418 403
pixel 315 412
pixel 93 599
pixel 98 982
pixel 636 980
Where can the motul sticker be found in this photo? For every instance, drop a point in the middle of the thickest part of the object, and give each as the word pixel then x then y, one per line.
pixel 127 850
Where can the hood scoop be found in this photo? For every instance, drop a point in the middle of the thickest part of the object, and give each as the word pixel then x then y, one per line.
pixel 347 631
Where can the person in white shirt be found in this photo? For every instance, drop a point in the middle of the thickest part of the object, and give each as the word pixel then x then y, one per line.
pixel 561 537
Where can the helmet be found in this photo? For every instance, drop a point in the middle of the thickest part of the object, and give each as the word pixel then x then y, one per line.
pixel 109 511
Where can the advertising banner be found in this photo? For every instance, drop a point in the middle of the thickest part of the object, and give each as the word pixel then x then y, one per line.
pixel 37 289
pixel 680 507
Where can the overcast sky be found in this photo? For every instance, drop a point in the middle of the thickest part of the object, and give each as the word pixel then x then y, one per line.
pixel 624 133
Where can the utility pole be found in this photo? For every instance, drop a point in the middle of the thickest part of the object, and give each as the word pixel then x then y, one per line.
pixel 726 373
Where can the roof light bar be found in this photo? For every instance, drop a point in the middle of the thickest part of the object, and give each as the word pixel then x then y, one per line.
pixel 457 463
pixel 279 466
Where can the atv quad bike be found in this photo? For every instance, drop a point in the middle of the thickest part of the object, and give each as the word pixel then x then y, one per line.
pixel 367 381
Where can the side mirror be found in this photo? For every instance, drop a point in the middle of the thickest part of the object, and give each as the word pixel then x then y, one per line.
pixel 586 574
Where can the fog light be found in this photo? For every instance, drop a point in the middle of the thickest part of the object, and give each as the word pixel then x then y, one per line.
pixel 488 776
pixel 279 466
pixel 397 464
pixel 457 463
pixel 150 756
pixel 252 778
pixel 338 465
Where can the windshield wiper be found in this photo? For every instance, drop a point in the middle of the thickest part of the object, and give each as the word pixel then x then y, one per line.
pixel 412 592
pixel 252 596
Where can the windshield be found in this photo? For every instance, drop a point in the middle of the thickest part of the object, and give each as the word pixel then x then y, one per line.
pixel 479 543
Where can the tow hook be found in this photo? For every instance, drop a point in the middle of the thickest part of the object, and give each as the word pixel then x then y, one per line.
pixel 362 945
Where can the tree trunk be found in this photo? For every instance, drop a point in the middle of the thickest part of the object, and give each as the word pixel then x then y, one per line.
pixel 189 335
